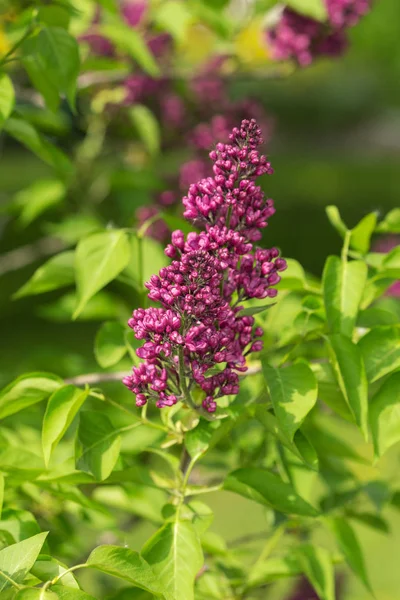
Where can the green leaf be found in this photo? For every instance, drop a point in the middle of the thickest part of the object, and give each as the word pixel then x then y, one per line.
pixel 61 409
pixel 74 227
pixel 174 17
pixel 376 316
pixel 350 547
pixel 27 135
pixel 26 390
pixel 328 444
pixel 17 560
pixel 273 569
pixel 140 500
pixel 1 492
pixel 99 259
pixel 391 223
pixel 315 9
pixel 147 127
pixel 131 41
pixel 38 75
pixel 110 346
pixel 349 367
pixel 317 566
pixel 101 444
pixel 37 198
pixel 55 53
pixel 380 349
pixel 56 273
pixel 361 234
pixel 370 520
pixel 66 593
pixel 153 259
pixel 385 415
pixel 391 264
pixel 255 310
pixel 127 565
pixel 47 568
pixel 58 16
pixel 35 594
pixel 329 390
pixel 293 392
pixel 175 555
pixel 333 214
pixel 265 488
pixel 301 447
pixel 343 286
pixel 7 98
pixel 198 439
pixel 294 277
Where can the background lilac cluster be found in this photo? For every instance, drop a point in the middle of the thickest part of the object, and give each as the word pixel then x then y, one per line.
pixel 200 338
pixel 302 39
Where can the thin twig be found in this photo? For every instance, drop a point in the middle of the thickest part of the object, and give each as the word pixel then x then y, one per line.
pixel 93 378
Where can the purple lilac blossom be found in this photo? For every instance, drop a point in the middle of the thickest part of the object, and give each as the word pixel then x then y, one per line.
pixel 200 323
pixel 386 244
pixel 302 39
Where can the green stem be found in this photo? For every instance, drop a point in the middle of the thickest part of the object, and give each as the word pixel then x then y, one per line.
pixel 208 490
pixel 58 577
pixel 182 381
pixel 228 216
pixel 185 390
pixel 17 44
pixel 346 245
pixel 11 581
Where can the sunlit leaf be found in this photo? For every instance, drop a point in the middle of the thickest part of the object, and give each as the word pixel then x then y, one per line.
pixel 57 272
pixel 317 565
pixel 7 98
pixel 349 367
pixel 361 234
pixel 265 488
pixel 350 547
pixel 39 197
pixel 147 127
pixel 53 63
pixel 27 390
pixel 61 409
pixel 130 40
pixel 99 259
pixel 316 9
pixel 391 223
pixel 385 415
pixel 175 555
pixel 125 564
pixel 380 349
pixel 101 444
pixel 293 391
pixel 110 345
pixel 27 135
pixel 343 285
pixel 17 560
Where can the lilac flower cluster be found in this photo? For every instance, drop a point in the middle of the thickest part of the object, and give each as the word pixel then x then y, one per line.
pixel 200 338
pixel 302 39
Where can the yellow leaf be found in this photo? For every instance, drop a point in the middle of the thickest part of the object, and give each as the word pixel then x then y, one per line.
pixel 251 44
pixel 4 43
pixel 198 44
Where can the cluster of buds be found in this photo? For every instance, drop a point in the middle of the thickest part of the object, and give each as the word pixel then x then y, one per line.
pixel 200 338
pixel 302 39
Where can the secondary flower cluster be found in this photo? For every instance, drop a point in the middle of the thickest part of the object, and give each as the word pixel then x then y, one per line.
pixel 302 39
pixel 200 336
